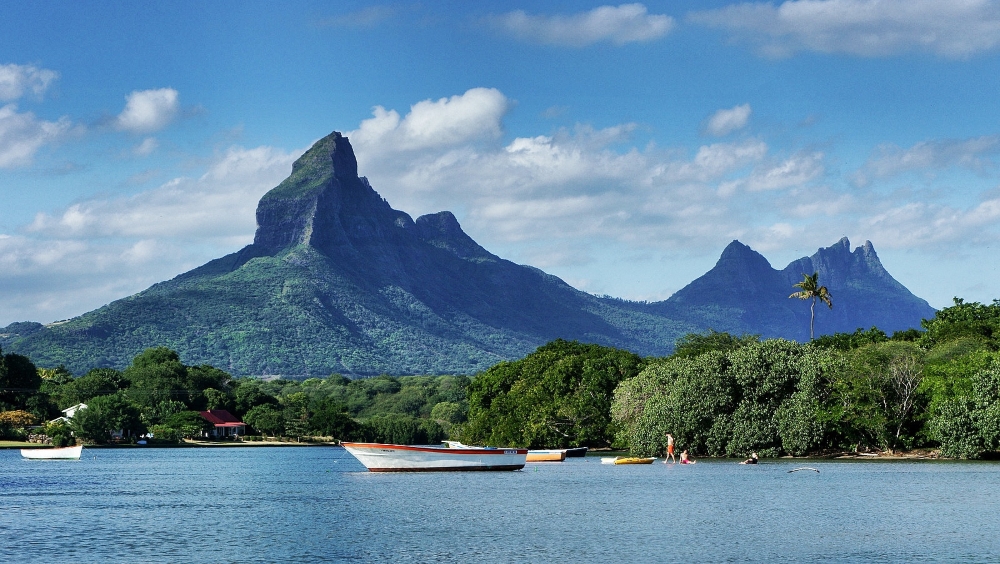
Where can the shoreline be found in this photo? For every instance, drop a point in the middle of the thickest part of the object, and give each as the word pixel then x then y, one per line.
pixel 927 455
pixel 10 445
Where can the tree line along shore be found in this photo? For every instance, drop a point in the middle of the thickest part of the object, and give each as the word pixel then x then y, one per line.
pixel 718 394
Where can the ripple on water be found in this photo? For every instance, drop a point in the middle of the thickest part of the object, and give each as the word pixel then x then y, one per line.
pixel 317 504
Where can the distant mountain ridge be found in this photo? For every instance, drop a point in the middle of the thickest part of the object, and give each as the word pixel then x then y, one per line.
pixel 744 294
pixel 338 281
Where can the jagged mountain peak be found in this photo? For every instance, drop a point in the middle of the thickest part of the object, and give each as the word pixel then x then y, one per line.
pixel 837 265
pixel 338 281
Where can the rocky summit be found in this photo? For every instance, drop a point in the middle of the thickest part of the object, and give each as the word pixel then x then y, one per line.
pixel 336 281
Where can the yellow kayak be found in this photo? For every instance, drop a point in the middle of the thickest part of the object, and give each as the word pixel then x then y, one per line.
pixel 633 460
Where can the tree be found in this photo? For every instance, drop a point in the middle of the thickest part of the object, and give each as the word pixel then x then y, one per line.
pixel 96 382
pixel 19 380
pixel 296 414
pixel 104 415
pixel 694 344
pixel 809 289
pixel 157 375
pixel 187 423
pixel 13 423
pixel 557 397
pixel 265 418
pixel 330 419
pixel 248 394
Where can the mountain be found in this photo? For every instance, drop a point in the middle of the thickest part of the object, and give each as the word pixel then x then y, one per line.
pixel 336 281
pixel 744 294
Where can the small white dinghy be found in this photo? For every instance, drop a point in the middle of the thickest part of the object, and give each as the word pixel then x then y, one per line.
pixel 65 453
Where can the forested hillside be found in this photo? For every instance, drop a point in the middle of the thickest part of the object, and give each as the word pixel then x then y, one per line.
pixel 337 281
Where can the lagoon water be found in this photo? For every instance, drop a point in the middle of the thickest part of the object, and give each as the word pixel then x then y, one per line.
pixel 317 504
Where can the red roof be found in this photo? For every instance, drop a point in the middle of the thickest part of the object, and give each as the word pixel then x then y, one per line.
pixel 221 418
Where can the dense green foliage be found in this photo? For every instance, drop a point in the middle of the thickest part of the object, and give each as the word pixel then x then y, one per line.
pixel 758 397
pixel 158 394
pixel 724 396
pixel 558 396
pixel 718 394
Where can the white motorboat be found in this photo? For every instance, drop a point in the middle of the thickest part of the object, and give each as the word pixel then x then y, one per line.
pixel 380 457
pixel 64 453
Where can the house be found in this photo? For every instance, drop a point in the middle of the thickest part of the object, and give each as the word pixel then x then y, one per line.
pixel 69 412
pixel 226 424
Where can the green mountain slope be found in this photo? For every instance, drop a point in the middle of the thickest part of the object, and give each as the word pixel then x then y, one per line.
pixel 336 281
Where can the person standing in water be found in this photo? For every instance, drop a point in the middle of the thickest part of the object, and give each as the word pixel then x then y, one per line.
pixel 670 449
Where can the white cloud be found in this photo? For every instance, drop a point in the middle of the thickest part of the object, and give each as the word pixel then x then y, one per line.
pixel 148 110
pixel 147 147
pixel 476 114
pixel 954 29
pixel 925 225
pixel 217 206
pixel 544 190
pixel 714 161
pixel 795 171
pixel 16 80
pixel 889 160
pixel 724 122
pixel 619 25
pixel 102 249
pixel 22 135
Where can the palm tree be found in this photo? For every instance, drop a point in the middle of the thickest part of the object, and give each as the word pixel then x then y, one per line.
pixel 809 289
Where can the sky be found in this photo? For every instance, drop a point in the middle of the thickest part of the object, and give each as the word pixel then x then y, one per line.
pixel 620 147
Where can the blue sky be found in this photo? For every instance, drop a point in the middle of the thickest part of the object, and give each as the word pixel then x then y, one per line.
pixel 618 146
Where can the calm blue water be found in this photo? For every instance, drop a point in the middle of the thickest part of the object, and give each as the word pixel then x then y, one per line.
pixel 317 504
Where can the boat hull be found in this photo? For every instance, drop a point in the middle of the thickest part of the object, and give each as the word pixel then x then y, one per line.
pixel 576 452
pixel 380 457
pixel 546 455
pixel 65 453
pixel 634 460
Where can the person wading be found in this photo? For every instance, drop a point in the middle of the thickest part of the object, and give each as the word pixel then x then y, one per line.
pixel 670 449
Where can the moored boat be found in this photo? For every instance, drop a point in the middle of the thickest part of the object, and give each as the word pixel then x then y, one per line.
pixel 554 455
pixel 64 453
pixel 633 460
pixel 576 452
pixel 381 457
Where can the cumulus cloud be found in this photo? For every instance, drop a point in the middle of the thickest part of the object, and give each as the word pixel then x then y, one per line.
pixel 724 122
pixel 795 171
pixel 530 196
pixel 889 160
pixel 867 28
pixel 101 249
pixel 928 225
pixel 147 111
pixel 545 189
pixel 219 205
pixel 627 23
pixel 475 115
pixel 18 80
pixel 22 135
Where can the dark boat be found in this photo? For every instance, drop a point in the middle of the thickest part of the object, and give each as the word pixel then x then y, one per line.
pixel 574 452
